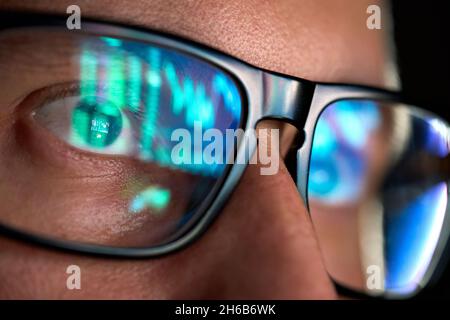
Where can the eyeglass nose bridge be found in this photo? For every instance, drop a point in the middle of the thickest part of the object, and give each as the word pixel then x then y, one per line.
pixel 286 99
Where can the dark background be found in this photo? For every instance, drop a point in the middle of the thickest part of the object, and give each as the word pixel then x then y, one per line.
pixel 422 39
pixel 422 35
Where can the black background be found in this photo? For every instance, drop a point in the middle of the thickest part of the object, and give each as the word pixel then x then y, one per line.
pixel 423 56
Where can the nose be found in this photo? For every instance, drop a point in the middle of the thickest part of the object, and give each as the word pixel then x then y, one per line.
pixel 262 246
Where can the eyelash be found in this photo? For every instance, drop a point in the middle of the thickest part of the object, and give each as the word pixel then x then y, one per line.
pixel 52 93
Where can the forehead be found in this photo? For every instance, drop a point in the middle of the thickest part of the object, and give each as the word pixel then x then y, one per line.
pixel 317 40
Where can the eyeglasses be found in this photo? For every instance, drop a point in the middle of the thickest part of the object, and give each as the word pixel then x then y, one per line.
pixel 99 108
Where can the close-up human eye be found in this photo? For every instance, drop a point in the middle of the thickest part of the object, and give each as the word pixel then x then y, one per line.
pixel 88 123
pixel 100 122
pixel 224 149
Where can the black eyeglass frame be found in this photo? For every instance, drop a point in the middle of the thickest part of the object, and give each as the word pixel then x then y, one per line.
pixel 300 104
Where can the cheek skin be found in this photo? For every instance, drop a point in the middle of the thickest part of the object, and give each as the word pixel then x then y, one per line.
pixel 275 239
pixel 262 245
pixel 75 195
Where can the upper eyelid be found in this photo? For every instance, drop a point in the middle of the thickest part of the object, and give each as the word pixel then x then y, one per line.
pixel 48 94
pixel 71 89
pixel 62 91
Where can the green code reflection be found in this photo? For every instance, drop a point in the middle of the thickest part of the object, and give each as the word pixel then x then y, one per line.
pixel 154 197
pixel 125 99
pixel 146 92
pixel 96 125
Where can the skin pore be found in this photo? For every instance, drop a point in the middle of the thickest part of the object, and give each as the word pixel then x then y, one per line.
pixel 262 245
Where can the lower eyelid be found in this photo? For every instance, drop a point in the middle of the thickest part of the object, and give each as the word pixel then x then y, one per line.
pixel 63 161
pixel 48 151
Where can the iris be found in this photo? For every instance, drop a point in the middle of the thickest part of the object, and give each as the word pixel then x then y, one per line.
pixel 96 125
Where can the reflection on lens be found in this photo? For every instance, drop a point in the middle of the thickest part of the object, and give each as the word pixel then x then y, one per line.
pixel 337 166
pixel 96 126
pixel 114 104
pixel 411 236
pixel 378 193
pixel 152 197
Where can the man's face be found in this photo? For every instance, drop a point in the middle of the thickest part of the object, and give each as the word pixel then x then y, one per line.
pixel 262 245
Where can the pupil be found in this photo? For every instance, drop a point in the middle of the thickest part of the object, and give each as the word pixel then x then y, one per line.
pixel 97 124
